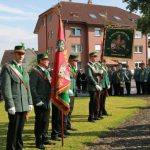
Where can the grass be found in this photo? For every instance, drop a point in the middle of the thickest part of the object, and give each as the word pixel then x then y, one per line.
pixel 121 108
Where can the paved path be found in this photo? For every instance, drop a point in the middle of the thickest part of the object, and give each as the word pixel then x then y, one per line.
pixel 134 134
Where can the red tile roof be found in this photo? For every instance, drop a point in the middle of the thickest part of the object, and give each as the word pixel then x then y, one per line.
pixel 80 13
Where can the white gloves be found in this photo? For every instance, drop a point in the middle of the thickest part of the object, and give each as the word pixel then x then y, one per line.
pixel 40 103
pixel 70 92
pixel 30 107
pixel 12 111
pixel 108 87
pixel 101 71
pixel 99 88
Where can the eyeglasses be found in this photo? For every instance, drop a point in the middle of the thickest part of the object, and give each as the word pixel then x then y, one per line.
pixel 75 60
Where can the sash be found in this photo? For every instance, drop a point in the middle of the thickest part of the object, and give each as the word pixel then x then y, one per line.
pixel 19 75
pixel 73 73
pixel 41 75
pixel 126 76
pixel 93 69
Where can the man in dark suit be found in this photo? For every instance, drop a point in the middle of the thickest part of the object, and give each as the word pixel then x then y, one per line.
pixel 40 83
pixel 17 96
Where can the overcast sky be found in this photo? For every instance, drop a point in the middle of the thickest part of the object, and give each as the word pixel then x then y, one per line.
pixel 18 19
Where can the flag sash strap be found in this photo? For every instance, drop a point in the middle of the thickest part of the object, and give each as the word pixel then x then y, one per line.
pixel 19 75
pixel 40 74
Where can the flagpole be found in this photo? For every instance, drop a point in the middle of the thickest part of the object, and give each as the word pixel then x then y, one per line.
pixel 62 129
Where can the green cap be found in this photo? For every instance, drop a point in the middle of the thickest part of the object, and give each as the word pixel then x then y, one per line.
pixel 94 53
pixel 73 56
pixel 42 56
pixel 19 49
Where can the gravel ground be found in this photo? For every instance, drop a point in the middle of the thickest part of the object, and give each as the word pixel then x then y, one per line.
pixel 134 134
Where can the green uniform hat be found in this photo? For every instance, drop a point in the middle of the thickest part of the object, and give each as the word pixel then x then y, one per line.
pixel 42 56
pixel 19 49
pixel 73 56
pixel 93 53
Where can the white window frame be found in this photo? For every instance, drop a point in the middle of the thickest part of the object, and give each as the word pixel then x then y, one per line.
pixel 98 47
pixel 138 35
pixel 137 49
pixel 98 30
pixel 50 34
pixel 76 31
pixel 76 48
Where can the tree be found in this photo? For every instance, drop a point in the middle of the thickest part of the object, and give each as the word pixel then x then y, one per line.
pixel 143 6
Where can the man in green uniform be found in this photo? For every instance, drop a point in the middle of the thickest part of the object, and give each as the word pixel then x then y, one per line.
pixel 137 71
pixel 120 78
pixel 17 96
pixel 40 84
pixel 127 78
pixel 92 86
pixel 73 59
pixel 144 78
pixel 105 86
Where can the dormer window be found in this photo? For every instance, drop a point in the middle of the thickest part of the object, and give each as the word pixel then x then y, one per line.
pixel 93 16
pixel 117 18
pixel 74 14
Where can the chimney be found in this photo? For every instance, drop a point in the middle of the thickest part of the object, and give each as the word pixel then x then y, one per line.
pixel 70 0
pixel 89 1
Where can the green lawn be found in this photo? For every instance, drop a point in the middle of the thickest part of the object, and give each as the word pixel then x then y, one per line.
pixel 121 108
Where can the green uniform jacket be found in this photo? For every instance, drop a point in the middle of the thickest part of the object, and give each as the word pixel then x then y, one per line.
pixel 14 91
pixel 120 75
pixel 137 72
pixel 128 76
pixel 40 88
pixel 73 74
pixel 91 75
pixel 144 75
pixel 105 78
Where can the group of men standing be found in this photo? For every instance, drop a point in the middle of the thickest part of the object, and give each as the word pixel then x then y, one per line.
pixel 21 91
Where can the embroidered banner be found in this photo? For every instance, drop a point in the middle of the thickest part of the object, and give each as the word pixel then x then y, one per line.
pixel 119 43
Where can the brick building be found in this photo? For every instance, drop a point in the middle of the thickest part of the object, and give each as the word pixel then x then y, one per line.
pixel 84 28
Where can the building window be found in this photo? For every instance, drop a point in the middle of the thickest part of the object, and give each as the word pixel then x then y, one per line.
pixel 76 48
pixel 50 34
pixel 76 31
pixel 98 32
pixel 117 18
pixel 138 63
pixel 138 34
pixel 98 47
pixel 93 16
pixel 124 64
pixel 138 49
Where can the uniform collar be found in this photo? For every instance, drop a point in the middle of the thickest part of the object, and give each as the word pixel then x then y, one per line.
pixel 42 68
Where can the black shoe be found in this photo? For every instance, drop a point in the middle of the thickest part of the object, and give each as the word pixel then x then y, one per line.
pixel 55 138
pixel 100 117
pixel 96 118
pixel 67 133
pixel 48 143
pixel 72 129
pixel 40 146
pixel 65 136
pixel 91 120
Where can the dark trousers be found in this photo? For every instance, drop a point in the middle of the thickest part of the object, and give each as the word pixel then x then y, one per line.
pixel 71 110
pixel 42 116
pixel 110 90
pixel 15 129
pixel 148 87
pixel 116 89
pixel 93 105
pixel 102 110
pixel 144 87
pixel 55 121
pixel 138 87
pixel 121 90
pixel 128 87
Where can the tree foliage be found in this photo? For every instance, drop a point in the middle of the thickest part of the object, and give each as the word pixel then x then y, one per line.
pixel 143 6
